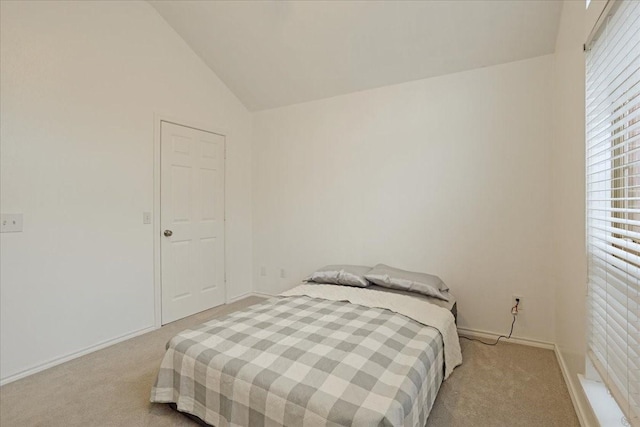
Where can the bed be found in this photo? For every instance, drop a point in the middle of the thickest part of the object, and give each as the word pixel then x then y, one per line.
pixel 315 355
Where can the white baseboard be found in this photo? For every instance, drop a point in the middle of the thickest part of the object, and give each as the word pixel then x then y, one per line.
pixel 247 295
pixel 574 393
pixel 474 333
pixel 59 360
pixel 238 297
pixel 580 410
pixel 262 295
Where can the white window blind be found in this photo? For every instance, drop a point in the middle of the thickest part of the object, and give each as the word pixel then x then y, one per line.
pixel 613 204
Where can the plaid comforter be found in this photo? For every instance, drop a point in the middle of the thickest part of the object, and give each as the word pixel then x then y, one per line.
pixel 300 361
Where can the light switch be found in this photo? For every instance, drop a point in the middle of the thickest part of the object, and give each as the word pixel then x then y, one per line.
pixel 10 223
pixel 146 217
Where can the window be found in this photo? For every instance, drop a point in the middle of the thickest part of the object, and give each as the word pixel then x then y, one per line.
pixel 613 203
pixel 625 184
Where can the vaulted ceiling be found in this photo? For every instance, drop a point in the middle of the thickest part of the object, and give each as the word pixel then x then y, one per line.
pixel 277 53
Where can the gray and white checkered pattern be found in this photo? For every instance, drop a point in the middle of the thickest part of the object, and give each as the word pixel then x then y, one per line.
pixel 300 361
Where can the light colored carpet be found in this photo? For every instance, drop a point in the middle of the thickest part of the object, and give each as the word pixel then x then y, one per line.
pixel 506 385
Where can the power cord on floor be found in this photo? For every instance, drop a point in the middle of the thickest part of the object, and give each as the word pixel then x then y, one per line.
pixel 514 312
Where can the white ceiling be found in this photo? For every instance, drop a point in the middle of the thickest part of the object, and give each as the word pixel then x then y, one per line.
pixel 276 53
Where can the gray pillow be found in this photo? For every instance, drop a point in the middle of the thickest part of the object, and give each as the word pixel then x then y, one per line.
pixel 350 275
pixel 422 283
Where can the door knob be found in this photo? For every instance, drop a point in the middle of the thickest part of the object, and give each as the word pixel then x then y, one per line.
pixel 168 233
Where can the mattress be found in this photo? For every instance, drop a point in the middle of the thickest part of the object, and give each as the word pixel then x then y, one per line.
pixel 302 361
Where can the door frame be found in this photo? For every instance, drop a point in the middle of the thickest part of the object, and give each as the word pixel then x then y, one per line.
pixel 156 224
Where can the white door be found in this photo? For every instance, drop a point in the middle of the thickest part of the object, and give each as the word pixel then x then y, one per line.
pixel 192 220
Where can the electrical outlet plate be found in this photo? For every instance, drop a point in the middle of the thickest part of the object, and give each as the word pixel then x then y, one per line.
pixel 513 302
pixel 11 223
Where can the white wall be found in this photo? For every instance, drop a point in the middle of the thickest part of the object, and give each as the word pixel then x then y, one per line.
pixel 80 84
pixel 569 189
pixel 570 261
pixel 458 175
pixel 449 175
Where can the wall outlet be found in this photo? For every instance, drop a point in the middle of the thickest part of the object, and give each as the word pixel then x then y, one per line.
pixel 146 217
pixel 514 302
pixel 263 271
pixel 283 274
pixel 10 223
